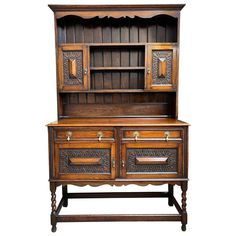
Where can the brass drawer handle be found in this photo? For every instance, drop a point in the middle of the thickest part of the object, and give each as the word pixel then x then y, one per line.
pixel 167 135
pixel 69 135
pixel 100 135
pixel 136 135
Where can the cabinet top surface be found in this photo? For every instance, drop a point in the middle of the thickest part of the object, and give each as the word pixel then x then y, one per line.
pixel 118 122
pixel 174 7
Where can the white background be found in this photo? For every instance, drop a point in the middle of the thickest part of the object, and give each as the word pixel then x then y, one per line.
pixel 28 102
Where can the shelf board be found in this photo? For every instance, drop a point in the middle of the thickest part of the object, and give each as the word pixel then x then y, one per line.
pixel 106 91
pixel 117 68
pixel 116 44
pixel 118 91
pixel 120 44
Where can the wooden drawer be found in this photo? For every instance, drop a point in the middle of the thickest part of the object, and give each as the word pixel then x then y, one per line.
pixel 152 160
pixel 152 135
pixel 85 160
pixel 72 134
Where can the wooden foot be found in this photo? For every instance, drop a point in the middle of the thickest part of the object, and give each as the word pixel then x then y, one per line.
pixel 170 194
pixel 183 227
pixel 65 203
pixel 65 195
pixel 184 187
pixel 54 228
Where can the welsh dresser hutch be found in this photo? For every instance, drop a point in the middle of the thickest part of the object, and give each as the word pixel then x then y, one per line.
pixel 117 96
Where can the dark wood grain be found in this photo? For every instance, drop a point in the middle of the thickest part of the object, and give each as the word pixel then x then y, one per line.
pixel 117 93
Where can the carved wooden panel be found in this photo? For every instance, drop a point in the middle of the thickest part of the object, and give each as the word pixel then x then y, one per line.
pixel 161 67
pixel 73 67
pixel 66 157
pixel 171 164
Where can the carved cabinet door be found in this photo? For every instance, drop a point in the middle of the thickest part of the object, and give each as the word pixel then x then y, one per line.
pixel 84 160
pixel 152 160
pixel 161 67
pixel 73 72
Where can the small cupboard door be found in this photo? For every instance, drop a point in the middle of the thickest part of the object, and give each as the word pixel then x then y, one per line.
pixel 85 160
pixel 161 67
pixel 73 68
pixel 152 160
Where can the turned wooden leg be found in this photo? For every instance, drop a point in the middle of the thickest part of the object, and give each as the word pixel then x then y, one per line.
pixel 53 206
pixel 170 194
pixel 184 187
pixel 64 195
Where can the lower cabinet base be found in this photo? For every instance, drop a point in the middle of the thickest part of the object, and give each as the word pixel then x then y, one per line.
pixel 181 216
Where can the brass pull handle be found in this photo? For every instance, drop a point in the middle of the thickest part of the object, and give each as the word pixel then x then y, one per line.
pixel 123 163
pixel 69 135
pixel 136 135
pixel 148 70
pixel 85 71
pixel 113 163
pixel 167 134
pixel 100 135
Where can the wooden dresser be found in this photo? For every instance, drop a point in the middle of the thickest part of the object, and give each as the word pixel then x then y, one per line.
pixel 117 96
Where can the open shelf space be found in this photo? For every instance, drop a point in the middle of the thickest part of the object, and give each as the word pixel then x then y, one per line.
pixel 117 67
pixel 125 56
pixel 118 104
pixel 74 29
pixel 117 80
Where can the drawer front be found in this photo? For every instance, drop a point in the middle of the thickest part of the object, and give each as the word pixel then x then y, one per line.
pixel 161 135
pixel 152 160
pixel 72 134
pixel 85 160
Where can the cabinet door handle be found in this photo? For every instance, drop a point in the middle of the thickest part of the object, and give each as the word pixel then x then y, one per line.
pixel 122 163
pixel 68 136
pixel 113 163
pixel 85 71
